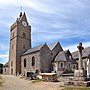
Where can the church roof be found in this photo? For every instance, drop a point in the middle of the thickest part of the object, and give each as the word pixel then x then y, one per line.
pixel 62 56
pixel 85 53
pixel 51 46
pixel 35 49
pixel 6 64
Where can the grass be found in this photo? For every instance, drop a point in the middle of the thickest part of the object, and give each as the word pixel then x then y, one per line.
pixel 1 81
pixel 35 81
pixel 22 77
pixel 77 88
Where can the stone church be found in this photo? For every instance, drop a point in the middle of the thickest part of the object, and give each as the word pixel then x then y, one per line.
pixel 44 58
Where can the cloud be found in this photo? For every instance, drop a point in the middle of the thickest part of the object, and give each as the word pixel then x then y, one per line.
pixel 73 48
pixel 66 21
pixel 4 58
pixel 3 47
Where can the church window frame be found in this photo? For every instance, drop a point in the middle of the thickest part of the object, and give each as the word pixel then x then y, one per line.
pixel 11 63
pixel 69 65
pixel 62 65
pixel 13 34
pixel 74 66
pixel 12 46
pixel 25 63
pixel 24 47
pixel 24 35
pixel 33 61
pixel 5 69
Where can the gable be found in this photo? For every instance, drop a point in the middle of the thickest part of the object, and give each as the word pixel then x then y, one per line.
pixel 55 45
pixel 62 56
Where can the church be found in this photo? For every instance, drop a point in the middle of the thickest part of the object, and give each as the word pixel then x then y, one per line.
pixel 43 58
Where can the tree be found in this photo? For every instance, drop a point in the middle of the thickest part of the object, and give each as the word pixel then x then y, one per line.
pixel 1 68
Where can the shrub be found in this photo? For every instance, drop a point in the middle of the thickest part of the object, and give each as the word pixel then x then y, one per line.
pixel 68 71
pixel 1 81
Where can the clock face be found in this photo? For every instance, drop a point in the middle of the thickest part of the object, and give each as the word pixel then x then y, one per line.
pixel 24 23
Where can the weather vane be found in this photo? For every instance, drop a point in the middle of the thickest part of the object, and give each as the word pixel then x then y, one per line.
pixel 21 8
pixel 21 3
pixel 20 11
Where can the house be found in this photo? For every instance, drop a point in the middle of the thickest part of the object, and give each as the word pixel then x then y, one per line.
pixel 6 68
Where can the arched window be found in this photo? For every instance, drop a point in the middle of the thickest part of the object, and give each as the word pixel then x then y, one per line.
pixel 62 65
pixel 13 34
pixel 11 63
pixel 69 65
pixel 33 61
pixel 12 46
pixel 24 47
pixel 24 35
pixel 5 69
pixel 25 62
pixel 74 66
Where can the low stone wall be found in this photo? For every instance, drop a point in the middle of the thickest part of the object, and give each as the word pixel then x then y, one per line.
pixel 49 77
pixel 77 83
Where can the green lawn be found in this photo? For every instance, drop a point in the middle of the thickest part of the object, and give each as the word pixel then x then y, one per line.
pixel 1 81
pixel 77 88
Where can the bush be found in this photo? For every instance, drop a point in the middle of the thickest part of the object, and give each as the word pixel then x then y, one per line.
pixel 1 81
pixel 68 71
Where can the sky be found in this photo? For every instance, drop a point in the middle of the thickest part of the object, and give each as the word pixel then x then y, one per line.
pixel 66 21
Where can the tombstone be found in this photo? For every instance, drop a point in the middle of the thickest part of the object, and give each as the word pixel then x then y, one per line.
pixel 54 67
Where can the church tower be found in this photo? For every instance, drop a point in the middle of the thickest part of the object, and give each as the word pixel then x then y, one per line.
pixel 20 41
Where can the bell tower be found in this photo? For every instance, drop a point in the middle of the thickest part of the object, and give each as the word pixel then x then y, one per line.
pixel 20 41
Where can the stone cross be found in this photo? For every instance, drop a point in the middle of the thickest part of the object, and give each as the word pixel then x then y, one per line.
pixel 80 63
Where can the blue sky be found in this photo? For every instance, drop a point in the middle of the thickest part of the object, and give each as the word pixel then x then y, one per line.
pixel 66 21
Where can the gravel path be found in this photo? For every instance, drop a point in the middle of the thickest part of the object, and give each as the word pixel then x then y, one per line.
pixel 15 83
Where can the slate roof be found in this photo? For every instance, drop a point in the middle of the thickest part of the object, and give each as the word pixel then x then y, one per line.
pixel 6 64
pixel 51 46
pixel 73 61
pixel 68 52
pixel 35 49
pixel 85 53
pixel 62 56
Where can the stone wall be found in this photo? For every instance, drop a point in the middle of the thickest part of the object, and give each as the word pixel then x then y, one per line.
pixel 5 70
pixel 56 50
pixel 29 67
pixel 45 59
pixel 18 44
